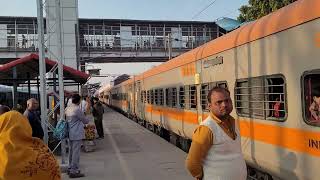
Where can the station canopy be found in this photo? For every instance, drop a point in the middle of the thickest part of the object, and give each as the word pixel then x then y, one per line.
pixel 27 68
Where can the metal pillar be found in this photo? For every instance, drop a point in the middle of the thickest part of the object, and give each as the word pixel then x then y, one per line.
pixel 60 71
pixel 29 85
pixel 42 70
pixel 169 46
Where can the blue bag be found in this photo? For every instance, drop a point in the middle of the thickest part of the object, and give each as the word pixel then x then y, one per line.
pixel 61 130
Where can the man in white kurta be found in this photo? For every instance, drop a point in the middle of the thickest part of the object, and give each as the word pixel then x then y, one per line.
pixel 215 152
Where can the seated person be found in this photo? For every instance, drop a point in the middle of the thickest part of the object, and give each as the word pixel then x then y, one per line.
pixel 315 108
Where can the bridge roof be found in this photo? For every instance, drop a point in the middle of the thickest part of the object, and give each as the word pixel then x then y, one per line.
pixel 30 64
pixel 28 19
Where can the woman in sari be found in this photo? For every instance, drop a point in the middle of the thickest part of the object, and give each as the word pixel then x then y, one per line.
pixel 22 156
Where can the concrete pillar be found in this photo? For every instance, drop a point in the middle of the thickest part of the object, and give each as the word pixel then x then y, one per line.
pixel 69 17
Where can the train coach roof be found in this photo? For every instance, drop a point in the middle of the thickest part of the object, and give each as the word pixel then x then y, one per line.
pixel 287 17
pixel 30 64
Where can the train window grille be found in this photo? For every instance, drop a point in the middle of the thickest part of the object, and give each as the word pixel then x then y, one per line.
pixel 160 95
pixel 156 97
pixel 204 93
pixel 151 97
pixel 174 97
pixel 192 97
pixel 182 102
pixel 141 96
pixel 144 97
pixel 148 97
pixel 261 97
pixel 167 103
pixel 311 97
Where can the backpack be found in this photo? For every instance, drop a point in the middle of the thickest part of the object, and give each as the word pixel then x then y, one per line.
pixel 61 130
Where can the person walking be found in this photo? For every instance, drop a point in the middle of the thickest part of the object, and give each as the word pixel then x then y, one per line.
pixel 76 120
pixel 215 152
pixel 97 113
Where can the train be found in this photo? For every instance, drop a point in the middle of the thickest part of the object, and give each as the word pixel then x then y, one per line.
pixel 272 69
pixel 6 97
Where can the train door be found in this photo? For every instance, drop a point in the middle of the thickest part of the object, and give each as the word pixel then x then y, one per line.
pixel 138 99
pixel 130 99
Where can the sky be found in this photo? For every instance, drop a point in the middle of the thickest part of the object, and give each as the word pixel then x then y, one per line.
pixel 138 9
pixel 180 10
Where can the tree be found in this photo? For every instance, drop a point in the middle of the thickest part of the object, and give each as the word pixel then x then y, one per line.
pixel 259 8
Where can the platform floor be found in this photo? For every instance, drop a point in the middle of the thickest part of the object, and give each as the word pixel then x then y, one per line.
pixel 131 152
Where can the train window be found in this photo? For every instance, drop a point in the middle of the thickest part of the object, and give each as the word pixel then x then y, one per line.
pixel 261 97
pixel 144 97
pixel 204 92
pixel 182 102
pixel 311 97
pixel 141 96
pixel 167 96
pixel 161 97
pixel 151 97
pixel 174 97
pixel 148 97
pixel 193 97
pixel 156 98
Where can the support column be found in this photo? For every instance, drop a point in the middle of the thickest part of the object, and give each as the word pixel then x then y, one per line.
pixel 14 89
pixel 42 70
pixel 29 86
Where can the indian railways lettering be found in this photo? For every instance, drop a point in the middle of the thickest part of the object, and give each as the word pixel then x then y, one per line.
pixel 314 144
pixel 213 62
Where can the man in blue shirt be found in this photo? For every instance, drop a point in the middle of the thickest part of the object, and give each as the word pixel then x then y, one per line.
pixel 76 120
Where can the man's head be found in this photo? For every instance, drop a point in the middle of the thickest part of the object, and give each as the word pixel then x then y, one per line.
pixel 4 109
pixel 32 104
pixel 76 99
pixel 219 102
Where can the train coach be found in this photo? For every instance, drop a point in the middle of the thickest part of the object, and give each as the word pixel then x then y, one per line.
pixel 272 69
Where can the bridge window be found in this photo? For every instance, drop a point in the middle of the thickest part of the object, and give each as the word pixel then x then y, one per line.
pixel 182 102
pixel 261 97
pixel 311 97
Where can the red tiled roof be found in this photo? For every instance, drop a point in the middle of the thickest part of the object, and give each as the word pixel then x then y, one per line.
pixel 30 64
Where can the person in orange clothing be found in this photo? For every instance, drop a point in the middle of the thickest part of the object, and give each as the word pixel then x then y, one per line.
pixel 21 155
pixel 215 152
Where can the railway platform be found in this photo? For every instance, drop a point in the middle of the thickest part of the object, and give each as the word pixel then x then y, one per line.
pixel 131 152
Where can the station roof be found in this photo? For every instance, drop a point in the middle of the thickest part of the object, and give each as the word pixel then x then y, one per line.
pixel 30 65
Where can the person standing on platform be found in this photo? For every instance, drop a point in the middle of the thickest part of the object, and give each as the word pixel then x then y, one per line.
pixel 83 104
pixel 215 152
pixel 76 120
pixel 97 113
pixel 34 118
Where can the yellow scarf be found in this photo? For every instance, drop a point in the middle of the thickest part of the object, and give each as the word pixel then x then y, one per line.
pixel 23 157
